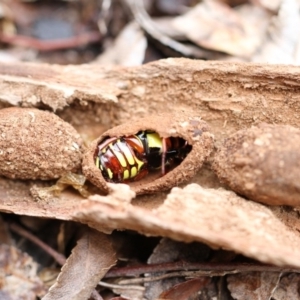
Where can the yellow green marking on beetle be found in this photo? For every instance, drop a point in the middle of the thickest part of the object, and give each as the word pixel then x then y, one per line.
pixel 154 140
pixel 110 173
pixel 133 172
pixel 98 163
pixel 126 174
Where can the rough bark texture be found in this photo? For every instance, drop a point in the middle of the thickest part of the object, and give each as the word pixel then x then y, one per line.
pixel 262 163
pixel 218 218
pixel 227 96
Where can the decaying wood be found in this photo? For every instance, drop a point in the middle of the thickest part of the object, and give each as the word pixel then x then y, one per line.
pixel 216 217
pixel 262 163
pixel 228 96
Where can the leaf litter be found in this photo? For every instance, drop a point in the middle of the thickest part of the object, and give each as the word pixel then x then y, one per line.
pixel 19 273
pixel 89 261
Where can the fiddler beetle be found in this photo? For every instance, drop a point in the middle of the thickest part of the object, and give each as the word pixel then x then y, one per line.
pixel 130 158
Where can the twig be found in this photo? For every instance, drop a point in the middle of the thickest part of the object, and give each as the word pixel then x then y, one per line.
pixel 203 267
pixel 118 286
pixel 187 274
pixel 50 45
pixel 60 259
pixel 96 296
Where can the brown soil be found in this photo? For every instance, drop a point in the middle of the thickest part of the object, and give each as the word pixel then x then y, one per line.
pixel 37 144
pixel 262 163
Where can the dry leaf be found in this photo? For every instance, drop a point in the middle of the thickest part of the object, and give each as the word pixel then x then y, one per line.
pixel 90 260
pixel 190 289
pixel 18 276
pixel 139 11
pixel 132 292
pixel 216 26
pixel 282 43
pixel 170 251
pixel 271 5
pixel 165 26
pixel 253 285
pixel 120 53
pixel 287 288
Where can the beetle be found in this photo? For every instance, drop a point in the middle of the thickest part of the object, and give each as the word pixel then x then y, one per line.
pixel 130 158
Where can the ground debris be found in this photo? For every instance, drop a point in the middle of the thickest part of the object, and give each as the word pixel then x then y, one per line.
pixel 19 274
pixel 90 260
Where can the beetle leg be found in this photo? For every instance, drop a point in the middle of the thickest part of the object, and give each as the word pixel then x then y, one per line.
pixel 163 156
